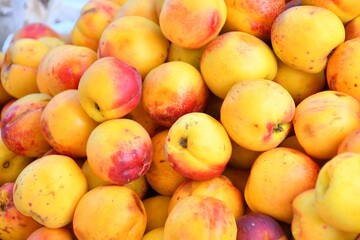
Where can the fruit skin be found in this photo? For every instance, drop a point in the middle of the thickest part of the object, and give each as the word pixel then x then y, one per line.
pixel 323 120
pixel 173 89
pixel 94 17
pixel 20 129
pixel 136 40
pixel 259 226
pixel 269 120
pixel 120 216
pixel 352 28
pixel 45 233
pixel 192 153
pixel 341 74
pixel 14 225
pixel 192 24
pixel 345 10
pixel 334 192
pixel 35 30
pixel 156 208
pixel 191 56
pixel 48 190
pixel 298 83
pixel 222 67
pixel 350 143
pixel 253 17
pixel 218 187
pixel 144 8
pixel 276 177
pixel 109 89
pixel 307 224
pixel 200 217
pixel 119 151
pixel 155 234
pixel 320 29
pixel 62 67
pixel 19 69
pixel 161 176
pixel 62 115
pixel 11 164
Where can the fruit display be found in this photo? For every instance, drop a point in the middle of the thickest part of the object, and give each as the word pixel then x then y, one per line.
pixel 183 119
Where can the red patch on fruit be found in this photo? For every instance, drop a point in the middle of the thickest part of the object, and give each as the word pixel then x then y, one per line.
pixel 130 164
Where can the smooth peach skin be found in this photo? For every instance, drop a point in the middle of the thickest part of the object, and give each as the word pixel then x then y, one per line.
pixel 62 67
pixel 109 89
pixel 45 233
pixel 341 73
pixel 144 8
pixel 320 29
pixel 253 17
pixel 136 40
pixel 20 129
pixel 346 10
pixel 93 18
pixel 307 224
pixel 173 89
pixel 192 56
pixel 298 83
pixel 200 217
pixel 257 114
pixel 140 186
pixel 119 151
pixel 155 234
pixel 65 125
pixel 337 182
pixel 14 225
pixel 49 189
pixel 192 153
pixel 221 66
pixel 19 69
pixel 139 115
pixel 351 143
pixel 156 208
pixel 323 120
pixel 92 179
pixel 192 24
pixel 219 187
pixel 352 28
pixel 35 30
pixel 120 216
pixel 161 176
pixel 4 95
pixel 11 164
pixel 277 176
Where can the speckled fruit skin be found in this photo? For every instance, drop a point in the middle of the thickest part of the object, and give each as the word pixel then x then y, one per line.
pixel 48 190
pixel 14 225
pixel 305 42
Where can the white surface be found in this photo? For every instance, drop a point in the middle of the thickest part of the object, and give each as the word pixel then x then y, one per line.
pixel 60 15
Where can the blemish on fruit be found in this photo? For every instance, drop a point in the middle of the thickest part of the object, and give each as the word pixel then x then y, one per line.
pixel 6 164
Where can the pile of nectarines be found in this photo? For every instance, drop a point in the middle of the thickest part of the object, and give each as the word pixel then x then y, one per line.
pixel 184 119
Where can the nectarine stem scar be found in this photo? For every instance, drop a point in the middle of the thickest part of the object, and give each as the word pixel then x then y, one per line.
pixel 183 142
pixel 6 164
pixel 97 107
pixel 278 128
